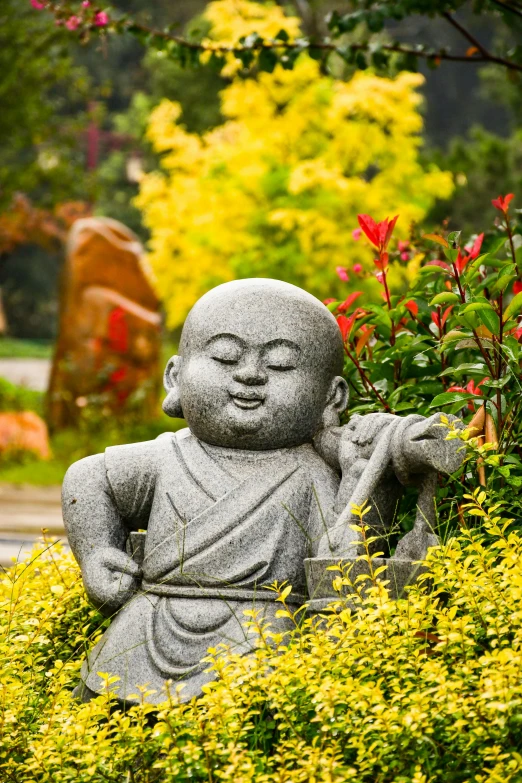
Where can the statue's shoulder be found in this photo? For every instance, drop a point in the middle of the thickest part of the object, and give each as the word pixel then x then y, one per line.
pixel 147 456
pixel 315 466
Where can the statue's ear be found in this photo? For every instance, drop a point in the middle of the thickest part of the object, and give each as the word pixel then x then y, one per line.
pixel 337 402
pixel 171 404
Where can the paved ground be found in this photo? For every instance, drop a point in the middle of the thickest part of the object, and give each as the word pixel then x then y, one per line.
pixel 32 373
pixel 24 511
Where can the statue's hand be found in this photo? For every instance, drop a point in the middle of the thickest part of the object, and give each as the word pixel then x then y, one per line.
pixel 110 577
pixel 366 428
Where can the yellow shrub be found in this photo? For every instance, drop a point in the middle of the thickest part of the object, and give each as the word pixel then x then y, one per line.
pixel 275 190
pixel 424 689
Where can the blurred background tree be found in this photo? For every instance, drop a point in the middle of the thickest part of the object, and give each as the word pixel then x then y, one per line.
pixel 275 190
pixel 74 126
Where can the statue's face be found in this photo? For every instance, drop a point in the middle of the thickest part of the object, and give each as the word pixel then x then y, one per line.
pixel 255 372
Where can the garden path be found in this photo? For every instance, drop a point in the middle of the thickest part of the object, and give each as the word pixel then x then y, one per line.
pixel 24 511
pixel 31 373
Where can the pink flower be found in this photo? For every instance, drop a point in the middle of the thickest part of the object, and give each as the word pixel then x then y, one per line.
pixel 357 268
pixel 36 4
pixel 356 233
pixel 86 3
pixel 402 245
pixel 101 19
pixel 72 22
pixel 405 256
pixel 342 274
pixel 379 276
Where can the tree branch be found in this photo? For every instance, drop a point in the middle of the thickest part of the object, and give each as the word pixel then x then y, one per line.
pixel 462 30
pixel 326 46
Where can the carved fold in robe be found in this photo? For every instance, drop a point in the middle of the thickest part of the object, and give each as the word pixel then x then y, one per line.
pixel 222 525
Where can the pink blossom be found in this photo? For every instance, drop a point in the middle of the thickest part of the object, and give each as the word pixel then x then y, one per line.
pixel 405 256
pixel 101 19
pixel 402 245
pixel 356 233
pixel 72 22
pixel 379 276
pixel 342 274
pixel 36 4
pixel 357 268
pixel 86 3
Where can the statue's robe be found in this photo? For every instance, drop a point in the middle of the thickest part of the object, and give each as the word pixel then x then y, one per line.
pixel 225 524
pixel 222 525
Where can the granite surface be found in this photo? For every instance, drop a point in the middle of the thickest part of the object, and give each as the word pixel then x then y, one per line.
pixel 262 480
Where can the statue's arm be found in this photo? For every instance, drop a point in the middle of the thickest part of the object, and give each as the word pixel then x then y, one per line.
pixel 423 447
pixel 90 515
pixel 97 534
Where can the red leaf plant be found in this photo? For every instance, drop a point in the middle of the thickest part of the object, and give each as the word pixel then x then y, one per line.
pixel 502 202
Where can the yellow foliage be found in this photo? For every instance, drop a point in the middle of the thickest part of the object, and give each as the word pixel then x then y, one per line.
pixel 423 689
pixel 276 189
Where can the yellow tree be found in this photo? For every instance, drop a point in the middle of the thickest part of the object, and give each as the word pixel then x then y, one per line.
pixel 275 190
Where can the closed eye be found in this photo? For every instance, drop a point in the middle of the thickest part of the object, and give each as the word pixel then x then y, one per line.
pixel 223 360
pixel 281 367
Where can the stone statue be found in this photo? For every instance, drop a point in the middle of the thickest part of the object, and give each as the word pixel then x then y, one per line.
pixel 244 495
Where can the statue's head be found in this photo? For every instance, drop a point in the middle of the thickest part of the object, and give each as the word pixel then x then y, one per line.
pixel 259 367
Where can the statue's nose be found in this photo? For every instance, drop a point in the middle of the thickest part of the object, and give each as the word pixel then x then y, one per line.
pixel 250 372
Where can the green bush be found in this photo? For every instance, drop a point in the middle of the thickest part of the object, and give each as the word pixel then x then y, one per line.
pixel 447 336
pixel 427 688
pixel 18 398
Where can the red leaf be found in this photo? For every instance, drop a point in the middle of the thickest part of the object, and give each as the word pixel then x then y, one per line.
pixel 363 339
pixel 412 306
pixel 517 287
pixel 435 318
pixel 349 301
pixel 475 250
pixel 345 324
pixel 369 226
pixel 457 389
pixel 446 314
pixel 502 202
pixel 389 230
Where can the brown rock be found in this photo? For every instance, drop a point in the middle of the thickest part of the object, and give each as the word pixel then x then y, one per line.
pixel 109 335
pixel 24 431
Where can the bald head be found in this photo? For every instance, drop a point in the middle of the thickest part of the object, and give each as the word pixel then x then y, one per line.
pixel 260 362
pixel 265 310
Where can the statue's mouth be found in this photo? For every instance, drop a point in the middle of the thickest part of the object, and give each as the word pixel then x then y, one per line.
pixel 247 400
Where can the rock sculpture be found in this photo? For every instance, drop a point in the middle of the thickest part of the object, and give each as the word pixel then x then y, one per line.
pixel 109 333
pixel 260 481
pixel 23 432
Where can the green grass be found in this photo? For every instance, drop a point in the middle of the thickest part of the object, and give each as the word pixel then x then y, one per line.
pixel 18 398
pixel 12 348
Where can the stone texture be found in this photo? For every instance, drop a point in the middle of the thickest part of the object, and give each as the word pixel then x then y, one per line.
pixel 243 496
pixel 25 431
pixel 109 333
